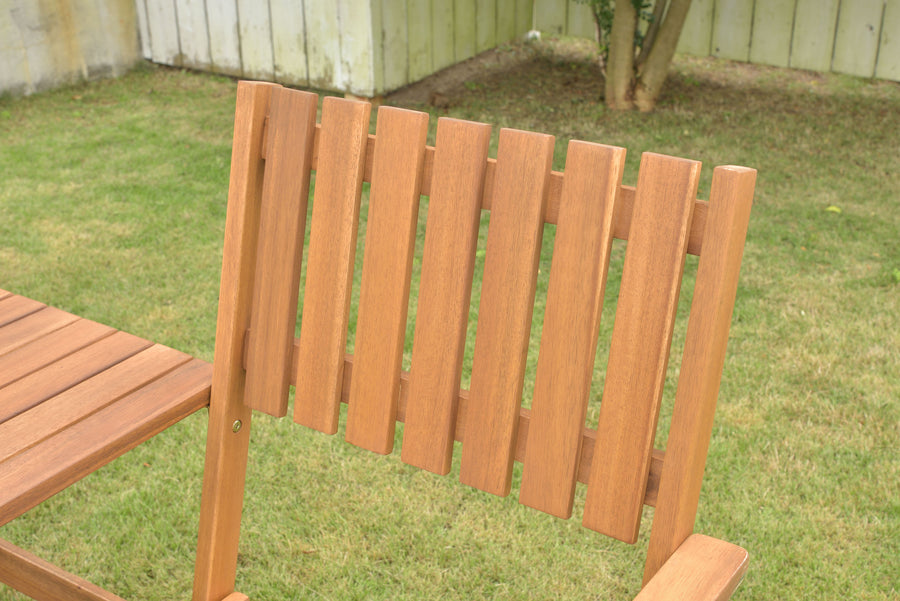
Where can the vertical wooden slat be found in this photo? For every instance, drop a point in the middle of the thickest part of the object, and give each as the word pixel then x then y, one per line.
pixel 701 368
pixel 773 22
pixel 289 42
pixel 888 66
pixel 291 131
pixel 812 45
pixel 442 26
pixel 697 31
pixel 323 43
pixel 193 34
pixel 224 39
pixel 464 31
pixel 330 261
pixel 448 259
pixel 485 25
pixel 732 20
pixel 504 314
pixel 226 450
pixel 421 63
pixel 384 289
pixel 856 41
pixel 571 324
pixel 394 36
pixel 639 349
pixel 254 25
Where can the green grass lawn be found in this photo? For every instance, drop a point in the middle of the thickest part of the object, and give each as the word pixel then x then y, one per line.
pixel 112 205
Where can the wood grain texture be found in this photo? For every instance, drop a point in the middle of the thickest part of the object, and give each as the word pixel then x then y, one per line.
pixel 571 325
pixel 702 569
pixel 79 401
pixel 42 580
pixel 289 42
pixel 14 307
pixel 330 262
pixel 283 225
pixel 226 450
pixel 639 349
pixel 36 474
pixel 224 38
pixel 445 287
pixel 704 358
pixel 624 197
pixel 505 309
pixel 50 348
pixel 387 267
pixel 67 371
pixel 22 331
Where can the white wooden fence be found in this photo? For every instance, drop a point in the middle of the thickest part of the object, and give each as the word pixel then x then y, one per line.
pixel 859 37
pixel 53 42
pixel 369 47
pixel 365 47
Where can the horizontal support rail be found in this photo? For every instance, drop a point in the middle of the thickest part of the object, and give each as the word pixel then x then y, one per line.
pixel 624 195
pixel 589 437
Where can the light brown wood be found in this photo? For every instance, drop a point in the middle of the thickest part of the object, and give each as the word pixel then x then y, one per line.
pixel 74 404
pixel 39 579
pixel 384 289
pixel 50 348
pixel 571 324
pixel 15 307
pixel 505 309
pixel 78 394
pixel 226 450
pixel 283 219
pixel 24 330
pixel 330 262
pixel 68 371
pixel 639 349
pixel 702 569
pixel 34 475
pixel 704 359
pixel 624 197
pixel 445 288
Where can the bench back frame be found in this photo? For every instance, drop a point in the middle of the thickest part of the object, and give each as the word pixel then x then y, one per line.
pixel 257 357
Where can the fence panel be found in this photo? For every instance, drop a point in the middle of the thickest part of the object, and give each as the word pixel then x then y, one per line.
pixel 773 22
pixel 889 51
pixel 858 37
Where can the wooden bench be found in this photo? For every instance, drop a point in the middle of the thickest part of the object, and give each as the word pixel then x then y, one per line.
pixel 277 145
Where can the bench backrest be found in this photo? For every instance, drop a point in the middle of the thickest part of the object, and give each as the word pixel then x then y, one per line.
pixel 278 145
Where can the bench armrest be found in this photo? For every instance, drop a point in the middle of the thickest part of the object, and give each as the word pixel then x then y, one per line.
pixel 702 569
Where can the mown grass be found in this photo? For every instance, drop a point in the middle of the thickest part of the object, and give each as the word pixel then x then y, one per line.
pixel 112 200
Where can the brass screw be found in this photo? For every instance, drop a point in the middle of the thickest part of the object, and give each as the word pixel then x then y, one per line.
pixel 236 426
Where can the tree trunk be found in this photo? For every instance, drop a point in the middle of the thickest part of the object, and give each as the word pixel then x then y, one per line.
pixel 653 74
pixel 620 68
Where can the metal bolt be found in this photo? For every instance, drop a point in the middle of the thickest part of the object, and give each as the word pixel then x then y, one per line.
pixel 236 426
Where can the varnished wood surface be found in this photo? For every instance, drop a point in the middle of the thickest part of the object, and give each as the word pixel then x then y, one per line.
pixel 330 263
pixel 75 397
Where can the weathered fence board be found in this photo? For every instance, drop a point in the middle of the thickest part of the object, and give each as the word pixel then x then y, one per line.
pixel 288 42
pixel 224 37
pixel 813 43
pixel 773 22
pixel 193 35
pixel 731 36
pixel 889 52
pixel 856 42
pixel 696 35
pixel 858 37
pixel 47 44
